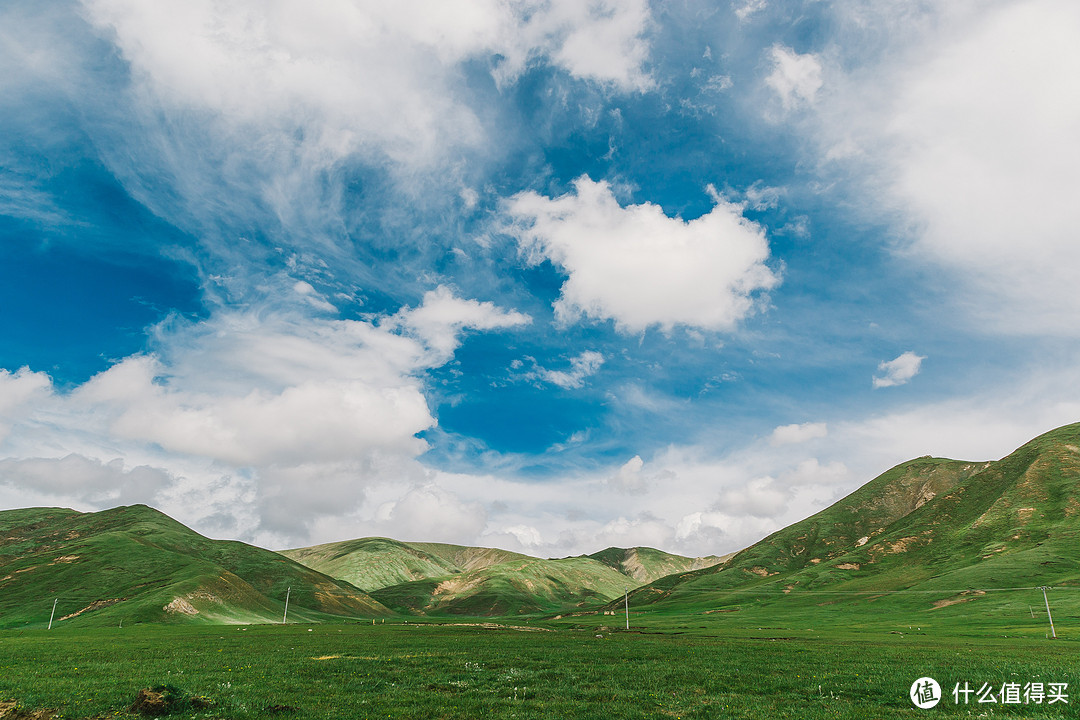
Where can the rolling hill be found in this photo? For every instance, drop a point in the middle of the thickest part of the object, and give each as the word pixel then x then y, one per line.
pixel 437 578
pixel 374 563
pixel 929 535
pixel 646 564
pixel 529 585
pixel 135 564
pixel 932 536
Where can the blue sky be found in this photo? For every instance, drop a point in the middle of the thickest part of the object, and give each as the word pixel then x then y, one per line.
pixel 548 276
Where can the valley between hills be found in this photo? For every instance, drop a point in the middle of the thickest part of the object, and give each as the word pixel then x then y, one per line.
pixel 937 568
pixel 930 537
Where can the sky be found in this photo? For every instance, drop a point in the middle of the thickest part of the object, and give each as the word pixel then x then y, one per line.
pixel 544 275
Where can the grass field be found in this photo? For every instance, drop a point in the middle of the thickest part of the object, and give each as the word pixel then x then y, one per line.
pixel 707 668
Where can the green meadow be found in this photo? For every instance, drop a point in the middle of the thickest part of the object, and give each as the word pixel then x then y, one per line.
pixel 664 667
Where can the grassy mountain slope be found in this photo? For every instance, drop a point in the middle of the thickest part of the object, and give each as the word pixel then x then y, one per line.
pixel 528 585
pixel 372 563
pixel 438 578
pixel 646 564
pixel 137 564
pixel 469 558
pixel 929 535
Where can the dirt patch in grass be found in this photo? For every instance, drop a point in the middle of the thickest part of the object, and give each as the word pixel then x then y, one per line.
pixel 966 597
pixel 96 605
pixel 11 710
pixel 165 700
pixel 181 606
pixel 901 545
pixel 455 586
pixel 496 626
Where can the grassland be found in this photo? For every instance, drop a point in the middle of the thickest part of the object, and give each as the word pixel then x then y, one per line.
pixel 705 667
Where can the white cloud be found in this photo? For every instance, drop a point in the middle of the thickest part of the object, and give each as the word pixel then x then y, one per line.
pixel 639 267
pixel 303 414
pixel 700 502
pixel 581 367
pixel 792 434
pixel 749 8
pixel 795 78
pixel 526 536
pixel 329 420
pixel 642 530
pixel 431 513
pixel 441 318
pixel 17 390
pixel 760 497
pixel 89 480
pixel 898 371
pixel 762 197
pixel 364 76
pixel 987 159
pixel 811 472
pixel 957 122
pixel 629 478
pixel 602 40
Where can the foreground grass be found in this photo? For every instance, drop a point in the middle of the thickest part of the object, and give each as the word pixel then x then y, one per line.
pixel 453 671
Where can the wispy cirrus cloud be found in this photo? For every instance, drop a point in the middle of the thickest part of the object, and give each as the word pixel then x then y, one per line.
pixel 581 367
pixel 369 77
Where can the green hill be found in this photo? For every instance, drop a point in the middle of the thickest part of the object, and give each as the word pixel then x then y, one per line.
pixel 138 565
pixel 469 558
pixel 926 536
pixel 529 585
pixel 437 578
pixel 374 563
pixel 371 563
pixel 646 564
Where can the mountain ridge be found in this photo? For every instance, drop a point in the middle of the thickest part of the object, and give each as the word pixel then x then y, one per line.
pixel 135 563
pixel 440 578
pixel 930 525
pixel 943 531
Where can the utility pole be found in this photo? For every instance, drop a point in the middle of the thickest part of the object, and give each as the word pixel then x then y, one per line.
pixel 626 599
pixel 1053 634
pixel 53 613
pixel 286 615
